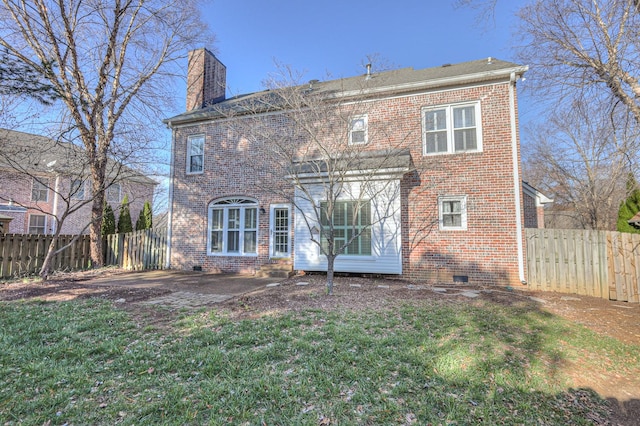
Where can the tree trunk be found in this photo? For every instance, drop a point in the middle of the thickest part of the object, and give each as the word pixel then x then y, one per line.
pixel 330 262
pixel 97 206
pixel 45 270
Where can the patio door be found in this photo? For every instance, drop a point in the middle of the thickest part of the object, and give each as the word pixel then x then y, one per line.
pixel 280 231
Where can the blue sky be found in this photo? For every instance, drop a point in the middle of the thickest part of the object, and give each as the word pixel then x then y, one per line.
pixel 333 38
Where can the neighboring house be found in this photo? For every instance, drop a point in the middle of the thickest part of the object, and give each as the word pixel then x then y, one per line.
pixel 459 213
pixel 41 178
pixel 534 203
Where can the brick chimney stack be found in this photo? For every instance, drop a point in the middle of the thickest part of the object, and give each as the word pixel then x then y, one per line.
pixel 206 79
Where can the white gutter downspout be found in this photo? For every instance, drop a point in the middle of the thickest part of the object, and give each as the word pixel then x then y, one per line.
pixel 56 192
pixel 167 263
pixel 516 175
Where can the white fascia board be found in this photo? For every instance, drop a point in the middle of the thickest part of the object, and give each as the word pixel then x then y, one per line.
pixel 352 175
pixel 540 198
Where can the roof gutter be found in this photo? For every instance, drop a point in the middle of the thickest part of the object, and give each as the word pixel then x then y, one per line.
pixel 440 82
pixel 504 73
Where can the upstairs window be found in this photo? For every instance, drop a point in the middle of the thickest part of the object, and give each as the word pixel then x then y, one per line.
pixel 452 129
pixel 358 130
pixel 112 193
pixel 40 190
pixel 351 220
pixel 77 189
pixel 195 154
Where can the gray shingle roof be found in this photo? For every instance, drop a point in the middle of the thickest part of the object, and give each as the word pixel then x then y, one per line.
pixel 397 81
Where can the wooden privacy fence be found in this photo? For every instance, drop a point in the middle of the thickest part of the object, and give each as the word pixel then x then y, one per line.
pixel 137 250
pixel 22 255
pixel 603 264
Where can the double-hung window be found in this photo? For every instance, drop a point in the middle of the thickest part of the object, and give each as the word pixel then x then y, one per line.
pixel 195 154
pixel 37 224
pixel 452 212
pixel 112 193
pixel 233 227
pixel 40 190
pixel 358 132
pixel 351 221
pixel 77 189
pixel 452 129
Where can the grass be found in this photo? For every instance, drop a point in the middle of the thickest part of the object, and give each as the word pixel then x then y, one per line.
pixel 84 362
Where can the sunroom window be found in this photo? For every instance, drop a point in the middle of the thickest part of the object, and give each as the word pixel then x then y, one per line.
pixel 351 221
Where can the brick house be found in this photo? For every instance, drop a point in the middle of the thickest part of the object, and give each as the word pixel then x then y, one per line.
pixel 38 176
pixel 457 207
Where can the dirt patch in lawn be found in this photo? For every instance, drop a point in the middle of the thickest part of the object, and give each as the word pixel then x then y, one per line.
pixel 618 320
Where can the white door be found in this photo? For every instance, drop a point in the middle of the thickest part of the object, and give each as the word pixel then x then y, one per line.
pixel 280 231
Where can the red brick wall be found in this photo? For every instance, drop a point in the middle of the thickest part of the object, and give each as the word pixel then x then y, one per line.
pixel 486 252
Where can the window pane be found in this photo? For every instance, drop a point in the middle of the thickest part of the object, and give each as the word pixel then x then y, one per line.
pixel 250 218
pixel 357 124
pixel 36 224
pixel 216 241
pixel 233 221
pixel 436 142
pixel 196 163
pixel 77 189
pixel 436 120
pixel 233 241
pixel 250 241
pixel 339 214
pixel 40 190
pixel 465 140
pixel 113 193
pixel 357 136
pixel 216 219
pixel 464 117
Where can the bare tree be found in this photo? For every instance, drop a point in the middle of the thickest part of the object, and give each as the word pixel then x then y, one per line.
pixel 112 60
pixel 51 177
pixel 579 156
pixel 341 176
pixel 584 46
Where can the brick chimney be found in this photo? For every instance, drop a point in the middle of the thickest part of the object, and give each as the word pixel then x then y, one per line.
pixel 206 79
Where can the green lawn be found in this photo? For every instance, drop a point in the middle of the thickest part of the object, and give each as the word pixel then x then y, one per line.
pixel 86 362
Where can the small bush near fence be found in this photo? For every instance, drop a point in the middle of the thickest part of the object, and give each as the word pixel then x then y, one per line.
pixel 22 255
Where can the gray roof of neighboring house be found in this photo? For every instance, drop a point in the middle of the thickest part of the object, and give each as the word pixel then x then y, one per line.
pixel 635 220
pixel 404 80
pixel 38 154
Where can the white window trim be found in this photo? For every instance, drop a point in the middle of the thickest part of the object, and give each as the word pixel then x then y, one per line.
pixel 463 212
pixel 272 241
pixel 366 129
pixel 450 135
pixel 44 231
pixel 190 138
pixel 225 208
